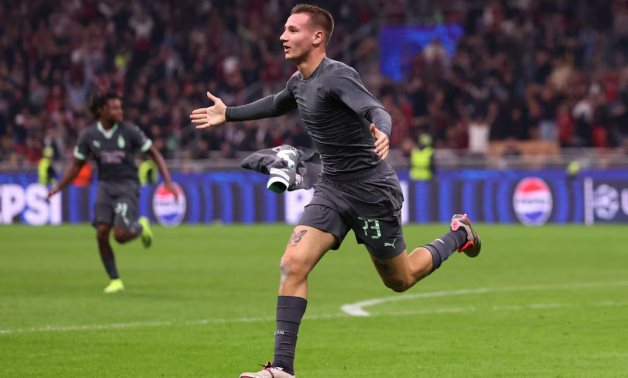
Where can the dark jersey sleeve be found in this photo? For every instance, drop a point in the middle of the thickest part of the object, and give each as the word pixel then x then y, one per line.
pixel 139 140
pixel 269 106
pixel 346 85
pixel 81 151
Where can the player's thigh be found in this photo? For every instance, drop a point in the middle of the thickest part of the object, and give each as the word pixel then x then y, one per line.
pixel 126 209
pixel 325 212
pixel 382 237
pixel 103 209
pixel 102 231
pixel 402 271
pixel 393 269
pixel 375 215
pixel 307 245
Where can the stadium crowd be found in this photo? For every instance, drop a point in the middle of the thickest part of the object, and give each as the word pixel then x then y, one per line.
pixel 523 70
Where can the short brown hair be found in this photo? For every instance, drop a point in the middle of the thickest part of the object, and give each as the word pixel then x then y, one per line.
pixel 320 17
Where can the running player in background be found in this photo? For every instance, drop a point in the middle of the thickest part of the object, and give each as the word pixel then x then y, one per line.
pixel 113 144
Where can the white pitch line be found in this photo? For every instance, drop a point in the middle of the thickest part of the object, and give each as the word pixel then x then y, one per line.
pixel 165 323
pixel 202 322
pixel 441 310
pixel 96 327
pixel 357 309
pixel 497 308
pixel 90 327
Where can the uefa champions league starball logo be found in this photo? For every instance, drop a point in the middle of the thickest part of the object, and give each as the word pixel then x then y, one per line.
pixel 606 202
pixel 168 211
pixel 532 201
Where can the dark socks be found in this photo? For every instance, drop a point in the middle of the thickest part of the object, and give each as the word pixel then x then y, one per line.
pixel 137 229
pixel 110 267
pixel 290 310
pixel 444 246
pixel 106 256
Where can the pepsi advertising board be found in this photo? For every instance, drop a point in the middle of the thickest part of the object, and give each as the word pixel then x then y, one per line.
pixel 532 201
pixel 168 209
pixel 531 198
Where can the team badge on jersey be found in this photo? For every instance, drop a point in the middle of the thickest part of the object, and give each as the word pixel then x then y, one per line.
pixel 121 143
pixel 96 144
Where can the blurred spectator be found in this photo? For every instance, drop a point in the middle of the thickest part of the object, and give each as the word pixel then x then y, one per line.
pixel 422 166
pixel 538 69
pixel 478 135
pixel 46 173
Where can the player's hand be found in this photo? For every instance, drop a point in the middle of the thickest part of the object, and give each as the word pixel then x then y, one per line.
pixel 172 189
pixel 51 193
pixel 381 142
pixel 213 115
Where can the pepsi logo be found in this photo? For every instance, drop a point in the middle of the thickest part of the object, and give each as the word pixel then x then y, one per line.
pixel 532 201
pixel 168 211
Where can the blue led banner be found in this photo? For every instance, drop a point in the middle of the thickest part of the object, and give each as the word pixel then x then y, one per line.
pixel 606 200
pixel 491 196
pixel 399 45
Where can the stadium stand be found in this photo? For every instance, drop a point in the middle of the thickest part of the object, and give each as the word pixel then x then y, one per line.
pixel 532 75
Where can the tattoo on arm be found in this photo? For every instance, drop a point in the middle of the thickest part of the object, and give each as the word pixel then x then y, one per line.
pixel 296 237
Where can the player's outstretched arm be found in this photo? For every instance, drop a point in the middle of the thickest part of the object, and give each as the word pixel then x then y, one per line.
pixel 70 174
pixel 210 116
pixel 161 164
pixel 270 106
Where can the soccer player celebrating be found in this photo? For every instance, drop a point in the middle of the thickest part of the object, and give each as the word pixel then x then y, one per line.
pixel 357 189
pixel 113 144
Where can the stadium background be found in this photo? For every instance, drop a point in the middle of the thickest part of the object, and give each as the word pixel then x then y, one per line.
pixel 512 93
pixel 502 85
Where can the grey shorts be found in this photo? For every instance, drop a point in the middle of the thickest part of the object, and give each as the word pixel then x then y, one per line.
pixel 117 203
pixel 370 207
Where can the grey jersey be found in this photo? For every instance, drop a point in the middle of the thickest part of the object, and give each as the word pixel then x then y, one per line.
pixel 114 150
pixel 336 109
pixel 295 168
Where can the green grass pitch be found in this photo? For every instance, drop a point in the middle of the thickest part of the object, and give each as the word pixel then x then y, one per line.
pixel 539 302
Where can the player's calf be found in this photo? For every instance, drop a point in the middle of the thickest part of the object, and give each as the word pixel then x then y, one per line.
pixel 123 235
